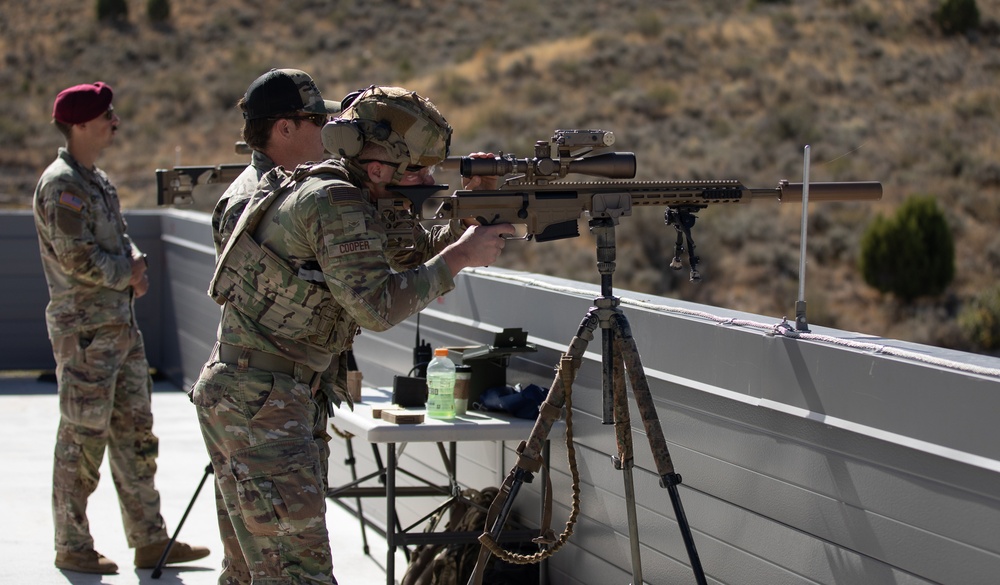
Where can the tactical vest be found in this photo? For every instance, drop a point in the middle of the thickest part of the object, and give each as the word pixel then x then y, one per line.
pixel 261 285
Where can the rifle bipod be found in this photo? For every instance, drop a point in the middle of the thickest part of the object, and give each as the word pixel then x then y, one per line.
pixel 620 357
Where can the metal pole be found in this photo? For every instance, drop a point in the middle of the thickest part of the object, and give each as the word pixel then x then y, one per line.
pixel 801 324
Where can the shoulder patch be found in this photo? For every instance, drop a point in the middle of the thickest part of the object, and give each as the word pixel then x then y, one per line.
pixel 67 199
pixel 344 194
pixel 354 223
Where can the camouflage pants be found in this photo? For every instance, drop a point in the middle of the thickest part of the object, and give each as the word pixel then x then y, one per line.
pixel 104 403
pixel 266 436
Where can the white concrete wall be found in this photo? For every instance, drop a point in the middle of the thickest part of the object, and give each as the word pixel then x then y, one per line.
pixel 803 461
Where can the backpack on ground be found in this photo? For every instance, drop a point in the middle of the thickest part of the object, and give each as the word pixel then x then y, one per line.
pixel 451 564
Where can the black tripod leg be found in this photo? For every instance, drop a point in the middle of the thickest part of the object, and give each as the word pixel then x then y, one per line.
pixel 654 433
pixel 158 570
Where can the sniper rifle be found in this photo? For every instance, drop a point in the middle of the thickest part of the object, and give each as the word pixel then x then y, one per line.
pixel 538 198
pixel 176 186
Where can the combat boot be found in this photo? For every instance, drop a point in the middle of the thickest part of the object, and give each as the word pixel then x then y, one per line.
pixel 86 561
pixel 147 556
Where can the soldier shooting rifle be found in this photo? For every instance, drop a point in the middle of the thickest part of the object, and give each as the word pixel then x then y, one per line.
pixel 537 197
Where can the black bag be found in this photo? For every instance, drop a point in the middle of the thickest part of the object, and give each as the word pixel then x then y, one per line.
pixel 499 572
pixel 451 564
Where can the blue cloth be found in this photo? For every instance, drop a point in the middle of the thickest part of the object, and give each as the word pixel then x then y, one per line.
pixel 520 402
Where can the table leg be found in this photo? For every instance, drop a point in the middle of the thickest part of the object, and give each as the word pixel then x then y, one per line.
pixel 390 511
pixel 357 501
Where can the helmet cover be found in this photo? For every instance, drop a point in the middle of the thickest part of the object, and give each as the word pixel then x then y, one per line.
pixel 407 125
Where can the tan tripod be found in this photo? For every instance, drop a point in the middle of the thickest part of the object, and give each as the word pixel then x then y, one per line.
pixel 620 358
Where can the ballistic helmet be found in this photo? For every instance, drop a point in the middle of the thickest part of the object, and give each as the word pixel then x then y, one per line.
pixel 407 126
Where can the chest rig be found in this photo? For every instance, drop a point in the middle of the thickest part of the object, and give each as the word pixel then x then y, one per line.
pixel 264 287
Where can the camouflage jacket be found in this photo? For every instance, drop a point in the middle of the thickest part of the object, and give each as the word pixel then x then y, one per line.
pixel 84 248
pixel 324 233
pixel 232 203
pixel 234 200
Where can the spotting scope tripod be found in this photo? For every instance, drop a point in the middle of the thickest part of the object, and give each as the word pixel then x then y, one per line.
pixel 620 358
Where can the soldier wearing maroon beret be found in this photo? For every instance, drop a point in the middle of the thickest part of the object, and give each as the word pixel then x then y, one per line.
pixel 94 273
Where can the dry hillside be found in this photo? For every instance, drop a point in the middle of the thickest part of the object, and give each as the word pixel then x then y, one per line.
pixel 710 89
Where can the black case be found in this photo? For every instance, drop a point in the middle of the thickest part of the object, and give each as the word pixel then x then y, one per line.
pixel 408 391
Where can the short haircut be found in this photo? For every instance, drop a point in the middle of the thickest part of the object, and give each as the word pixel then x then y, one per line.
pixel 64 128
pixel 256 133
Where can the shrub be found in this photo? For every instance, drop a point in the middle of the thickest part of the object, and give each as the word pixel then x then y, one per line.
pixel 957 16
pixel 112 10
pixel 158 10
pixel 649 25
pixel 911 254
pixel 980 319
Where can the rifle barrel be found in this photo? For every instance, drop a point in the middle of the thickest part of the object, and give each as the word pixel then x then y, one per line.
pixel 841 191
pixel 451 163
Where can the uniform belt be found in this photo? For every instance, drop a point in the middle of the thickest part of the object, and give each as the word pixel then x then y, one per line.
pixel 262 360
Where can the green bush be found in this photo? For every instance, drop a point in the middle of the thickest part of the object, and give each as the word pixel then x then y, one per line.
pixel 957 16
pixel 910 255
pixel 112 10
pixel 980 319
pixel 158 10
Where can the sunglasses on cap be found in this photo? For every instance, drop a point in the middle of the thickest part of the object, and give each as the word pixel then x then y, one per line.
pixel 317 119
pixel 414 169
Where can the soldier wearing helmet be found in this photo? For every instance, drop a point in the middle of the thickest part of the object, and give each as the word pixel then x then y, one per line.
pixel 306 267
pixel 401 131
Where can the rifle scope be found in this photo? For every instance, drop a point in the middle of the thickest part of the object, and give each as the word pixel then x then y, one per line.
pixel 611 165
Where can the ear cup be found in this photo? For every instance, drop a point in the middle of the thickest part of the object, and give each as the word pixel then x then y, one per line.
pixel 342 137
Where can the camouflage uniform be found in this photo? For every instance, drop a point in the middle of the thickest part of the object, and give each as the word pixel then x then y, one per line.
pixel 304 268
pixel 234 200
pixel 224 217
pixel 103 376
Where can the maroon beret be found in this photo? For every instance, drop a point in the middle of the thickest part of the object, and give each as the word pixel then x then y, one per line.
pixel 82 103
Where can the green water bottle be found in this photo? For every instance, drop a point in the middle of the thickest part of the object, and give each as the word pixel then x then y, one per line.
pixel 441 385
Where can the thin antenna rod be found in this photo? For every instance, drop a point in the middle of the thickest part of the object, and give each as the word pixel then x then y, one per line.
pixel 801 324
